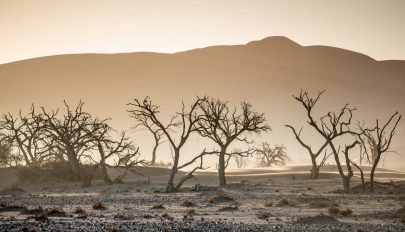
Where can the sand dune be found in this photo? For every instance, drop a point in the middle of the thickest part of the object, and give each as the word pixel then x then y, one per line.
pixel 265 72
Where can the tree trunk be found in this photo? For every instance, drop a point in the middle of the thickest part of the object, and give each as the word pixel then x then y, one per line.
pixel 170 183
pixel 153 161
pixel 345 180
pixel 373 168
pixel 221 167
pixel 104 172
pixel 315 169
pixel 346 184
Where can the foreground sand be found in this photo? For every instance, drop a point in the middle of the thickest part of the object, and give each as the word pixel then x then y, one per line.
pixel 254 200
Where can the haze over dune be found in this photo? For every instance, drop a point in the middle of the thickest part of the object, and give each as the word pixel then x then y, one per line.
pixel 265 73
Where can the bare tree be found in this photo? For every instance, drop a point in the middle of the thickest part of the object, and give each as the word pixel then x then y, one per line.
pixel 377 140
pixel 153 129
pixel 314 155
pixel 266 156
pixel 27 131
pixel 332 126
pixel 241 161
pixel 73 134
pixel 185 120
pixel 6 156
pixel 224 126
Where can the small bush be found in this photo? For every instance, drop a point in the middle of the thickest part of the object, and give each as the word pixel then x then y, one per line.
pixel 211 200
pixel 99 206
pixel 229 208
pixel 333 210
pixel 268 204
pixel 79 210
pixel 190 212
pixel 146 215
pixel 56 212
pixel 158 206
pixel 346 212
pixel 283 202
pixel 263 215
pixel 187 203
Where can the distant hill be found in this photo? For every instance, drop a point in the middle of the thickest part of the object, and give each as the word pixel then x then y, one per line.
pixel 265 72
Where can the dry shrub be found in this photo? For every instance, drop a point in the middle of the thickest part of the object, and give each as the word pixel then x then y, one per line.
pixel 158 206
pixel 79 210
pixel 41 217
pixel 229 208
pixel 211 200
pixel 263 215
pixel 268 204
pixel 146 215
pixel 56 212
pixel 190 212
pixel 121 215
pixel 284 202
pixel 99 206
pixel 333 210
pixel 166 216
pixel 187 203
pixel 346 212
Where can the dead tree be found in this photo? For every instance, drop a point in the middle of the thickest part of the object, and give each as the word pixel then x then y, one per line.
pixel 377 140
pixel 128 160
pixel 73 134
pixel 331 127
pixel 241 161
pixel 267 156
pixel 108 147
pixel 314 155
pixel 155 131
pixel 224 126
pixel 27 132
pixel 185 120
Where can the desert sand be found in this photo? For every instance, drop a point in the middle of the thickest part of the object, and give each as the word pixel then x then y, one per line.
pixel 258 199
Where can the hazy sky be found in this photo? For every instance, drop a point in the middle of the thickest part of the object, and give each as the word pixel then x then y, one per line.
pixel 47 27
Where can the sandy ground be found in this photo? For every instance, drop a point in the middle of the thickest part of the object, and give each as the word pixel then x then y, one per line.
pixel 277 199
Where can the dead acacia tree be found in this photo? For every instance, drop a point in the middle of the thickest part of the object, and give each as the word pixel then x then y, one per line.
pixel 241 161
pixel 266 156
pixel 377 140
pixel 314 155
pixel 27 132
pixel 128 160
pixel 122 149
pixel 73 134
pixel 224 125
pixel 331 127
pixel 155 131
pixel 184 121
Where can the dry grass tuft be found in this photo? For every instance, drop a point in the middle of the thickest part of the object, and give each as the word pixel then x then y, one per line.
pixel 187 203
pixel 333 210
pixel 346 212
pixel 158 206
pixel 284 202
pixel 79 210
pixel 229 208
pixel 263 215
pixel 99 206
pixel 268 204
pixel 146 215
pixel 211 200
pixel 190 212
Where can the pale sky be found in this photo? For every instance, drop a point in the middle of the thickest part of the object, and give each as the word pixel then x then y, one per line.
pixel 47 27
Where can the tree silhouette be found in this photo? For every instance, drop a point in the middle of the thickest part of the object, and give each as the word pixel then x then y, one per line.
pixel 184 121
pixel 224 126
